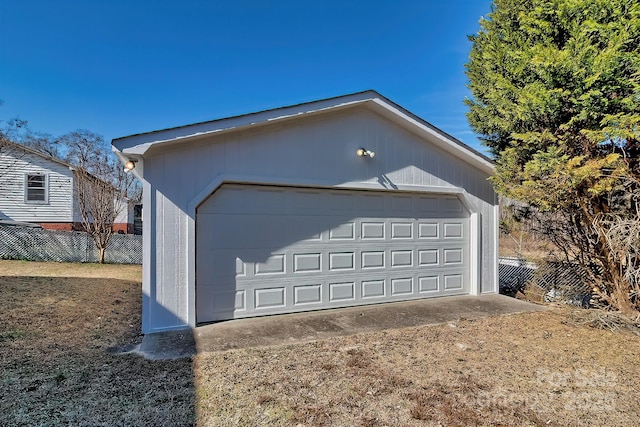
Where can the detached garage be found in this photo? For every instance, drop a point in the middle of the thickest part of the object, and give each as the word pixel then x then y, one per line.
pixel 340 202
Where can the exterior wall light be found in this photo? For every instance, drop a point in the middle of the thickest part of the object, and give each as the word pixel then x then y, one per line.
pixel 363 152
pixel 130 165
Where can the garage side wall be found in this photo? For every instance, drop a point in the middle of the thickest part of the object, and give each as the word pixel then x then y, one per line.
pixel 317 152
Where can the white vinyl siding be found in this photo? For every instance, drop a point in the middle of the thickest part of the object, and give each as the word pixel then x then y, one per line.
pixel 15 166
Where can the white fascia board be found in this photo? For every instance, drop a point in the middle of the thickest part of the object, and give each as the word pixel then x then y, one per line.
pixel 138 171
pixel 139 144
pixel 119 154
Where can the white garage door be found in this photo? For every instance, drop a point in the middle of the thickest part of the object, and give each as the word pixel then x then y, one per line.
pixel 265 250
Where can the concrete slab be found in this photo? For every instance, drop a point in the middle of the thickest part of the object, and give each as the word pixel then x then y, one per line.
pixel 304 327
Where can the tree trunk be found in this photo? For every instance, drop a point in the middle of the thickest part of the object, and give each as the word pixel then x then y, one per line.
pixel 621 300
pixel 102 255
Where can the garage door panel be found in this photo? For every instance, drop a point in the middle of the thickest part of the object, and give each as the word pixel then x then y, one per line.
pixel 307 294
pixel 452 256
pixel 428 230
pixel 372 230
pixel 372 259
pixel 344 231
pixel 325 249
pixel 401 230
pixel 402 286
pixel 341 261
pixel 271 297
pixel 428 257
pixel 373 289
pixel 452 230
pixel 453 281
pixel 342 291
pixel 275 264
pixel 311 202
pixel 307 262
pixel 428 284
pixel 238 231
pixel 401 258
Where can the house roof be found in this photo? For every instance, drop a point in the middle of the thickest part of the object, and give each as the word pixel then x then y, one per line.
pixel 137 145
pixel 15 145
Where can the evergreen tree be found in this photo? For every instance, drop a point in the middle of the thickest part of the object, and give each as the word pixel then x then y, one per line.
pixel 556 98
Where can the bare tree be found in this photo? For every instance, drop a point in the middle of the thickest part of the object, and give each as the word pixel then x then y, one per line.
pixel 42 142
pixel 16 132
pixel 103 189
pixel 99 206
pixel 87 150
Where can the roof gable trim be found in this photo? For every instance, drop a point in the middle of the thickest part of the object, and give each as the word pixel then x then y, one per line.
pixel 29 150
pixel 139 144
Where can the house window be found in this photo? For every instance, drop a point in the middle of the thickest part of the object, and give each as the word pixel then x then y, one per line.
pixel 36 188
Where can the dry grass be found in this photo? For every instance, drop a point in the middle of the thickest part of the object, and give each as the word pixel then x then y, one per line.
pixel 531 248
pixel 531 369
pixel 56 322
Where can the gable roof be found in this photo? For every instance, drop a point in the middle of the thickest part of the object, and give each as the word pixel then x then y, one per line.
pixel 138 144
pixel 14 145
pixel 74 169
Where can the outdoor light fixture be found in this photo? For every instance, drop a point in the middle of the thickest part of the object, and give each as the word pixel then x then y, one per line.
pixel 130 165
pixel 363 152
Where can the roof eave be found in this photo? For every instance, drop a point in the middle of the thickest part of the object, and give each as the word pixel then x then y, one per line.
pixel 39 153
pixel 140 144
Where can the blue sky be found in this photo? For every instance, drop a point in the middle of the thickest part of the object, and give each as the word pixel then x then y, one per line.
pixel 123 67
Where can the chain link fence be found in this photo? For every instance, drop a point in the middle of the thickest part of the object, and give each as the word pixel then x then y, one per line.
pixel 36 244
pixel 558 281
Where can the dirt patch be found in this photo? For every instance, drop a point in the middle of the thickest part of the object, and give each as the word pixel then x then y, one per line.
pixel 57 323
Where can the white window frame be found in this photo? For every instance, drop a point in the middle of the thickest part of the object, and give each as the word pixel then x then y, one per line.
pixel 46 188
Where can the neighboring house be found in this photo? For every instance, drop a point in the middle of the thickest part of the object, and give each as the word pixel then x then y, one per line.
pixel 339 202
pixel 39 189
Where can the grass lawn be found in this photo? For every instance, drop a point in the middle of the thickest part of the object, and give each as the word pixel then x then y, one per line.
pixel 58 320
